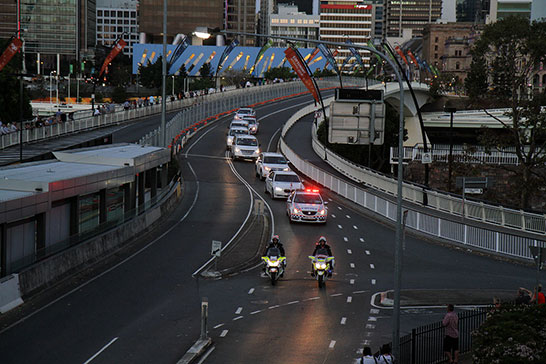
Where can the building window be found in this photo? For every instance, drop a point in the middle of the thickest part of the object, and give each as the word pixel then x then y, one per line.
pixel 106 13
pixel 435 47
pixel 436 40
pixel 99 12
pixel 436 55
pixel 457 66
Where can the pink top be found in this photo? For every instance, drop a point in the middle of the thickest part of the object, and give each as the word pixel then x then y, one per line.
pixel 451 323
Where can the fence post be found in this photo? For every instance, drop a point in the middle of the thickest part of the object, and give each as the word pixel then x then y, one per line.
pixel 204 317
pixel 413 344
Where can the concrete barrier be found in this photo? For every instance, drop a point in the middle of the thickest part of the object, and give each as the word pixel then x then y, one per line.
pixel 10 294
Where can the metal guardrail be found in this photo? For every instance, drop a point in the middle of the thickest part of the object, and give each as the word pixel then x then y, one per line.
pixel 454 229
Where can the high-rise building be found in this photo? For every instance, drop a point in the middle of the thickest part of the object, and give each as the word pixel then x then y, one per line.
pixel 472 11
pixel 342 20
pixel 289 22
pixel 8 18
pixel 182 17
pixel 410 14
pixel 115 19
pixel 241 17
pixel 306 6
pixel 501 9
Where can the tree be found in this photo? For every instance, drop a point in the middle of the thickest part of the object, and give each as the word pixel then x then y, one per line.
pixel 150 76
pixel 507 55
pixel 10 83
pixel 205 81
pixel 284 73
pixel 443 83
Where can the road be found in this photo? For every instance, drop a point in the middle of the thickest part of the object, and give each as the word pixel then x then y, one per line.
pixel 143 306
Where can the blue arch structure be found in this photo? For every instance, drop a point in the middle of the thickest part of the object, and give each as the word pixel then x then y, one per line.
pixel 195 56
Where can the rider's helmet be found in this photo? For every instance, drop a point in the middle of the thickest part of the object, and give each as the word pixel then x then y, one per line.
pixel 275 239
pixel 322 240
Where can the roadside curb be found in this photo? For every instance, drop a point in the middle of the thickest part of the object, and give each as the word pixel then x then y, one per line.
pixel 198 349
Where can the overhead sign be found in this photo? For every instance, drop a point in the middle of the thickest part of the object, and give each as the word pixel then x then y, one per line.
pixel 216 248
pixel 473 191
pixel 357 122
pixel 352 94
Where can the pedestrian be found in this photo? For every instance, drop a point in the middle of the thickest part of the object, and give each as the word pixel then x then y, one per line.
pixel 367 357
pixel 537 296
pixel 385 356
pixel 451 338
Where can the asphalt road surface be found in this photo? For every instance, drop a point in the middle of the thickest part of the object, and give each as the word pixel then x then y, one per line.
pixel 143 306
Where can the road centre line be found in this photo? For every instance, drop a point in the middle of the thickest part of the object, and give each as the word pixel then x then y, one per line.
pixel 101 350
pixel 237 318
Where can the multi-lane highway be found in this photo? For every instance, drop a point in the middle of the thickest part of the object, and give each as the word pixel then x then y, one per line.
pixel 142 306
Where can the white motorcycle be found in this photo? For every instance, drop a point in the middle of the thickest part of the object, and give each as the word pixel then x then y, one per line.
pixel 274 264
pixel 322 268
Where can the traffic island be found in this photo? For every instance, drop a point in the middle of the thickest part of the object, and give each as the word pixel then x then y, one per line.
pixel 441 297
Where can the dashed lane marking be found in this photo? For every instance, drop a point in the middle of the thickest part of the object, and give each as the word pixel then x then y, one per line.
pixel 355 227
pixel 347 216
pixel 332 344
pixel 345 239
pixel 339 208
pixel 352 281
pixel 352 265
pixel 336 294
pixel 255 312
pixel 367 252
pixel 340 227
pixel 293 302
pixel 272 307
pixel 239 310
pixel 333 215
pixel 349 299
pixel 372 318
pixel 237 318
pixel 224 333
pixel 362 239
pixel 374 311
pixel 329 199
pixel 358 292
pixel 370 326
pixel 349 251
pixel 311 299
pixel 251 291
pixel 218 326
pixel 367 343
pixel 372 266
pixel 343 320
pixel 373 281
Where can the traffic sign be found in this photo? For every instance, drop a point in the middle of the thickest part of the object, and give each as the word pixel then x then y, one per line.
pixel 427 158
pixel 473 191
pixel 216 248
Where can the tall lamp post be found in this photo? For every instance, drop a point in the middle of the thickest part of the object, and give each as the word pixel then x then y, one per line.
pixel 164 78
pixel 23 71
pixel 450 110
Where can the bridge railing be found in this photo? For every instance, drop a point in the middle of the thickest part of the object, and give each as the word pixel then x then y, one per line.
pixel 455 227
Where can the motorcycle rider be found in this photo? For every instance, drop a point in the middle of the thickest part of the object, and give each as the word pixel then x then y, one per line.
pixel 322 248
pixel 275 243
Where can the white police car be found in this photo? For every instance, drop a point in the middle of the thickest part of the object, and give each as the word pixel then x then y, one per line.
pixel 269 161
pixel 306 206
pixel 244 111
pixel 236 130
pixel 245 147
pixel 282 183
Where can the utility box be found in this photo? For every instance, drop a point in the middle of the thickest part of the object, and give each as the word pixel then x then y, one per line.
pixel 357 117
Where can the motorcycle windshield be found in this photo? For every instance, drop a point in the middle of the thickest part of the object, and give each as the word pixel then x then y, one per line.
pixel 273 252
pixel 322 251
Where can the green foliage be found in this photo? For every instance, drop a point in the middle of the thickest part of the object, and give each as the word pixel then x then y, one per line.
pixel 444 83
pixel 512 335
pixel 120 73
pixel 205 70
pixel 324 73
pixel 10 84
pixel 233 77
pixel 284 73
pixel 150 75
pixel 119 94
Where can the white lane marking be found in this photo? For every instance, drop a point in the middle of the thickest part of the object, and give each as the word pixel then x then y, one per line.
pixel 237 318
pixel 345 238
pixel 293 302
pixel 373 281
pixel 355 227
pixel 357 292
pixel 372 266
pixel 343 320
pixel 374 311
pixel 311 299
pixel 349 299
pixel 367 252
pixel 336 294
pixel 352 265
pixel 347 216
pixel 224 333
pixel 255 312
pixel 362 239
pixel 251 291
pixel 339 208
pixel 370 326
pixel 372 318
pixel 349 251
pixel 366 343
pixel 333 215
pixel 340 227
pixel 239 310
pixel 332 344
pixel 218 326
pixel 101 350
pixel 274 306
pixel 329 199
pixel 352 281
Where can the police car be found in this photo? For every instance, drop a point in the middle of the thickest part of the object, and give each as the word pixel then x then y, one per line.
pixel 244 111
pixel 306 206
pixel 282 183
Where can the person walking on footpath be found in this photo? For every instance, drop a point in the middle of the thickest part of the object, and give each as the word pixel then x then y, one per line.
pixel 385 356
pixel 451 339
pixel 367 357
pixel 537 297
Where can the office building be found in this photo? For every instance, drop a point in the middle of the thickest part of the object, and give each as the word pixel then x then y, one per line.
pixel 8 18
pixel 501 9
pixel 241 17
pixel 412 15
pixel 472 11
pixel 289 22
pixel 115 19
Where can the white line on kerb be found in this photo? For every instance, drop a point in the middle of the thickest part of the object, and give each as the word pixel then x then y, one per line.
pixel 343 320
pixel 101 350
pixel 239 310
pixel 332 344
pixel 251 291
pixel 224 333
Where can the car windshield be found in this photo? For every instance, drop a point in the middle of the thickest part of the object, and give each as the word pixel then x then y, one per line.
pixel 275 160
pixel 234 125
pixel 307 198
pixel 287 178
pixel 237 131
pixel 247 141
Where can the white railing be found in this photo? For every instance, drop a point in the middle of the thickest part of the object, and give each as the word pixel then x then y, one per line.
pixel 455 228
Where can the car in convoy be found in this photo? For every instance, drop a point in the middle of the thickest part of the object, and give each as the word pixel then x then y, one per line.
pixel 306 206
pixel 244 111
pixel 240 122
pixel 253 125
pixel 269 161
pixel 236 130
pixel 282 183
pixel 245 147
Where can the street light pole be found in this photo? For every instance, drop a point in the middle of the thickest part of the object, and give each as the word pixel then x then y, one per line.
pixel 164 78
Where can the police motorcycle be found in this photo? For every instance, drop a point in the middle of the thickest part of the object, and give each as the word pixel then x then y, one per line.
pixel 274 264
pixel 322 267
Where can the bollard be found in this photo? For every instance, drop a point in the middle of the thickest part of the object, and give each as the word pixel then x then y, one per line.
pixel 204 317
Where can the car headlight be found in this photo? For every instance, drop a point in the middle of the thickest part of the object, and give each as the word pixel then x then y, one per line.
pixel 286 169
pixel 257 151
pixel 267 168
pixel 278 189
pixel 295 211
pixel 322 212
pixel 237 150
